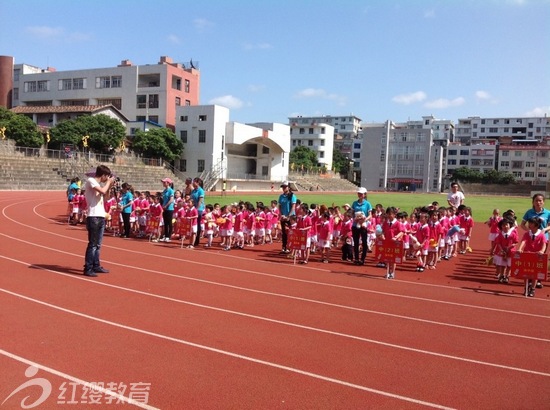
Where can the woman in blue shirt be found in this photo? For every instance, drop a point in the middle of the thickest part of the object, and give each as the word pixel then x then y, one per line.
pixel 167 208
pixel 361 215
pixel 125 204
pixel 197 196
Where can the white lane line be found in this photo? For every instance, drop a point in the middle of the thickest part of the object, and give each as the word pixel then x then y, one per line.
pixel 233 355
pixel 295 325
pixel 509 312
pixel 92 386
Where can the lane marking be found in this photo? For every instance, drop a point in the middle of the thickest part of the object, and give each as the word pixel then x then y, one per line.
pixel 290 324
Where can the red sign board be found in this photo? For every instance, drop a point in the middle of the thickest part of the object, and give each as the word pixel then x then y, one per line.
pixel 388 250
pixel 185 227
pixel 530 265
pixel 297 239
pixel 153 225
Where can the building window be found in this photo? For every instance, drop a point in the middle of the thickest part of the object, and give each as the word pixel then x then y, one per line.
pixel 505 153
pixel 302 131
pixel 200 165
pixel 322 130
pixel 187 86
pixel 79 83
pixel 141 118
pixel 103 82
pixel 202 136
pixel 311 130
pixel 187 103
pixel 65 84
pixel 16 94
pixel 265 150
pixel 183 165
pixel 154 118
pixel 178 101
pixel 265 171
pixel 202 117
pixel 141 101
pixel 517 153
pixel 116 81
pixel 529 174
pixel 321 154
pixel 322 143
pixel 310 143
pixel 184 118
pixel 505 164
pixel 153 100
pixel 183 136
pixel 115 102
pixel 43 86
pixel 463 162
pixel 16 74
pixel 542 175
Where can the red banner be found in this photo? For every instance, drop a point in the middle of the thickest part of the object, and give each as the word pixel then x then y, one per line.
pixel 530 265
pixel 153 225
pixel 388 250
pixel 297 239
pixel 185 227
pixel 115 219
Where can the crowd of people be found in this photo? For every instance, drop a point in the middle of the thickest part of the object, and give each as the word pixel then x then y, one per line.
pixel 428 236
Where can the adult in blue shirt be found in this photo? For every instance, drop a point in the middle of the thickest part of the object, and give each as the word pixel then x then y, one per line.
pixel 197 196
pixel 125 204
pixel 537 211
pixel 287 207
pixel 361 215
pixel 167 208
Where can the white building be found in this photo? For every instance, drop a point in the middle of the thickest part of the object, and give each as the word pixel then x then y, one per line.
pixel 480 156
pixel 405 156
pixel 228 150
pixel 141 92
pixel 317 136
pixel 518 128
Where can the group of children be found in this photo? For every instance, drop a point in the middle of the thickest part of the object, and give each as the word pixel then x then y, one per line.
pixel 506 244
pixel 428 235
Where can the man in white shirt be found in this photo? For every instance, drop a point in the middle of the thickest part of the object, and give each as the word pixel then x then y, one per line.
pixel 455 197
pixel 96 189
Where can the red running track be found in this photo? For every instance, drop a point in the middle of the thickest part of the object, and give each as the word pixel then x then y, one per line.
pixel 206 329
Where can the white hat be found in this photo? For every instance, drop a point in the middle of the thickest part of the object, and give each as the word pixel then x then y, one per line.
pixel 362 190
pixel 284 184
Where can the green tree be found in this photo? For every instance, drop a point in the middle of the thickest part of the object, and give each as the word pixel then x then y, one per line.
pixel 340 163
pixel 157 143
pixel 105 133
pixel 21 129
pixel 303 156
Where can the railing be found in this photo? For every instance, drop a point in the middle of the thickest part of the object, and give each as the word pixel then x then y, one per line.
pixel 210 178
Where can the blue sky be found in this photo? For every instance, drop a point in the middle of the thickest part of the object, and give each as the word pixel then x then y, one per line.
pixel 268 60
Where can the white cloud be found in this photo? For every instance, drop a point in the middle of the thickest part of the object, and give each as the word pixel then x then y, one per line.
pixel 321 94
pixel 429 14
pixel 255 88
pixel 57 33
pixel 202 24
pixel 445 103
pixel 172 38
pixel 258 46
pixel 538 112
pixel 228 101
pixel 407 99
pixel 45 32
pixel 484 96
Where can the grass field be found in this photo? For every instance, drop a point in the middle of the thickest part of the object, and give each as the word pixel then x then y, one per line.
pixel 482 206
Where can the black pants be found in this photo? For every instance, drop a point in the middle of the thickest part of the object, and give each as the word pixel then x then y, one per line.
pixel 285 225
pixel 199 230
pixel 126 223
pixel 167 218
pixel 347 252
pixel 357 233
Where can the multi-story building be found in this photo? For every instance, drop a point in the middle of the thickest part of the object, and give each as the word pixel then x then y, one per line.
pixel 316 135
pixel 480 156
pixel 405 156
pixel 471 129
pixel 231 150
pixel 528 161
pixel 141 92
pixel 346 129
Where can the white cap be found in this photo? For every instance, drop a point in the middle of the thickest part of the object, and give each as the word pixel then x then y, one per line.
pixel 362 190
